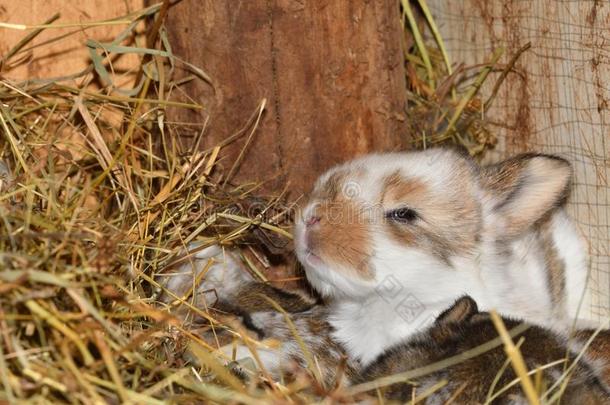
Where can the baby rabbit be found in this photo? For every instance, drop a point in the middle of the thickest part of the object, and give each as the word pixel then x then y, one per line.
pixel 456 330
pixel 392 240
pixel 462 327
pixel 214 277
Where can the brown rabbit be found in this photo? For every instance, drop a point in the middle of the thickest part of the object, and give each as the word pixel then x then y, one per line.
pixel 597 352
pixel 461 328
pixel 456 330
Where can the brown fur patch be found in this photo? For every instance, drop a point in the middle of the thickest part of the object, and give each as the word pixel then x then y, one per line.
pixel 316 334
pixel 343 235
pixel 331 188
pixel 598 351
pixel 448 220
pixel 463 309
pixel 555 267
pixel 251 298
pixel 502 178
pixel 398 188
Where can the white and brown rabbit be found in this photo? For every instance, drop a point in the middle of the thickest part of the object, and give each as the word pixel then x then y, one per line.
pixel 392 240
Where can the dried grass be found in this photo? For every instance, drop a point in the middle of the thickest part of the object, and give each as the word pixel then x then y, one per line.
pixel 98 195
pixel 444 102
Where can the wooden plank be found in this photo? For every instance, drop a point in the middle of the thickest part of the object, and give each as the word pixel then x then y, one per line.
pixel 69 55
pixel 332 74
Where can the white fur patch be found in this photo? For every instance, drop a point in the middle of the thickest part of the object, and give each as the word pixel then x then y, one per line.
pixel 571 250
pixel 224 275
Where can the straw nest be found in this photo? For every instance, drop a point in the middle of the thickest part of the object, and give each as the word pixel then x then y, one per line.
pixel 97 195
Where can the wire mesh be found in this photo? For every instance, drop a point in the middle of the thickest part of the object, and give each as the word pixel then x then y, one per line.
pixel 557 100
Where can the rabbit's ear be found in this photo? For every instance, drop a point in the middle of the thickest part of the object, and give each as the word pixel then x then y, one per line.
pixel 461 311
pixel 524 189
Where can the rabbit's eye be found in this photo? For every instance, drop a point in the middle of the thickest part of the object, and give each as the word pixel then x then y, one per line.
pixel 402 215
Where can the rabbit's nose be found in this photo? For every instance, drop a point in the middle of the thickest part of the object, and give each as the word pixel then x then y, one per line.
pixel 312 221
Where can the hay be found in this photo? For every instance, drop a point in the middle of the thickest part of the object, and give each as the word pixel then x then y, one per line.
pixel 444 105
pixel 98 194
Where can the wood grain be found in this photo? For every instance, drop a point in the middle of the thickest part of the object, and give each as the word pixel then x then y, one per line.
pixel 332 73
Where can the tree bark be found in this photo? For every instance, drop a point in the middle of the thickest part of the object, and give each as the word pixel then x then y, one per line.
pixel 332 73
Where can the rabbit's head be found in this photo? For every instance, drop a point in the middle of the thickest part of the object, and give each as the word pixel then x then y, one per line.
pixel 414 219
